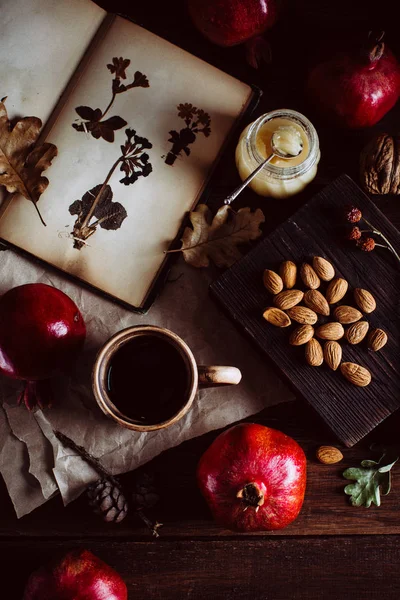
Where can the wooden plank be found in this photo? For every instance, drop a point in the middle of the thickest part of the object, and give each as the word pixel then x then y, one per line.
pixel 317 230
pixel 326 510
pixel 267 569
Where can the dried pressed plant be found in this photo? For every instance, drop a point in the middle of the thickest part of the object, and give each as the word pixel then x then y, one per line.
pixel 197 121
pixel 363 237
pixel 92 119
pixel 96 207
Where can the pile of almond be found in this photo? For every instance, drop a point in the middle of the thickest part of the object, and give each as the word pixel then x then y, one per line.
pixel 304 308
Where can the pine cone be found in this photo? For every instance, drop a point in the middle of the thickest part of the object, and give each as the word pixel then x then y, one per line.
pixel 145 494
pixel 144 497
pixel 107 500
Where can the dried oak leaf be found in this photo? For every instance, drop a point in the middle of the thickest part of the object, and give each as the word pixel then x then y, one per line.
pixel 218 238
pixel 21 165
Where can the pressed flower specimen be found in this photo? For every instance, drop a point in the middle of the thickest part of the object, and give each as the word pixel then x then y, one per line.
pixel 354 234
pixel 366 243
pixel 196 121
pixel 92 119
pixel 96 207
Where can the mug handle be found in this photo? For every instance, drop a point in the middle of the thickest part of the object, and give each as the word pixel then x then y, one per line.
pixel 218 375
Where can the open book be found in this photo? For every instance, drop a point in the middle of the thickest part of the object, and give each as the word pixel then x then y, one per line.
pixel 138 123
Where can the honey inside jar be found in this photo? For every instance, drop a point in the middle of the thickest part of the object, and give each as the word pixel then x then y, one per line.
pixel 293 134
pixel 290 136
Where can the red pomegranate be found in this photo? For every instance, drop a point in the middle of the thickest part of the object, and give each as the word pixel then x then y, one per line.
pixel 356 90
pixel 41 332
pixel 232 22
pixel 253 478
pixel 78 576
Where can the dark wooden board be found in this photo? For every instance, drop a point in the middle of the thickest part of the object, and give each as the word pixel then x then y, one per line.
pixel 184 513
pixel 254 569
pixel 317 230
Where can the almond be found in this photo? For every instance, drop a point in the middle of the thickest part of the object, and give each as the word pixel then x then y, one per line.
pixel 301 335
pixel 356 374
pixel 377 339
pixel 316 301
pixel 332 354
pixel 303 315
pixel 336 290
pixel 288 273
pixel 329 455
pixel 276 317
pixel 309 276
pixel 288 299
pixel 323 268
pixel 357 332
pixel 313 353
pixel 330 331
pixel 364 300
pixel 272 282
pixel 347 314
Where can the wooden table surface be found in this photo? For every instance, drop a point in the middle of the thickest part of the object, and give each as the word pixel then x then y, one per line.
pixel 332 550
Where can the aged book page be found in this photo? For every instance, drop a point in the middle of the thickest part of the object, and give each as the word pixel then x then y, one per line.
pixel 115 200
pixel 41 45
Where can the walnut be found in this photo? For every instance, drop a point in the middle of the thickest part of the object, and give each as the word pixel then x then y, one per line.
pixel 380 165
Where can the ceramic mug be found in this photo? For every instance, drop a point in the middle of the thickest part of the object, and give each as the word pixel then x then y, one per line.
pixel 198 375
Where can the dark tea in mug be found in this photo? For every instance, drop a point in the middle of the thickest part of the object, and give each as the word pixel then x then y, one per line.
pixel 148 379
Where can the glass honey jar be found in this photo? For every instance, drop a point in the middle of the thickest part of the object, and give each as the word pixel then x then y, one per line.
pixel 280 178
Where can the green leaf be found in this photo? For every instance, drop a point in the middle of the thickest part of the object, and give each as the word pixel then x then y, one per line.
pixel 370 479
pixel 368 463
pixel 386 485
pixel 387 468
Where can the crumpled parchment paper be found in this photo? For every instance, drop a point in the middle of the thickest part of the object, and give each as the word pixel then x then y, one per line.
pixel 33 462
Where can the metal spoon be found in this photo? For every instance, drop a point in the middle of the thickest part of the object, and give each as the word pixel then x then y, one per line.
pixel 276 151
